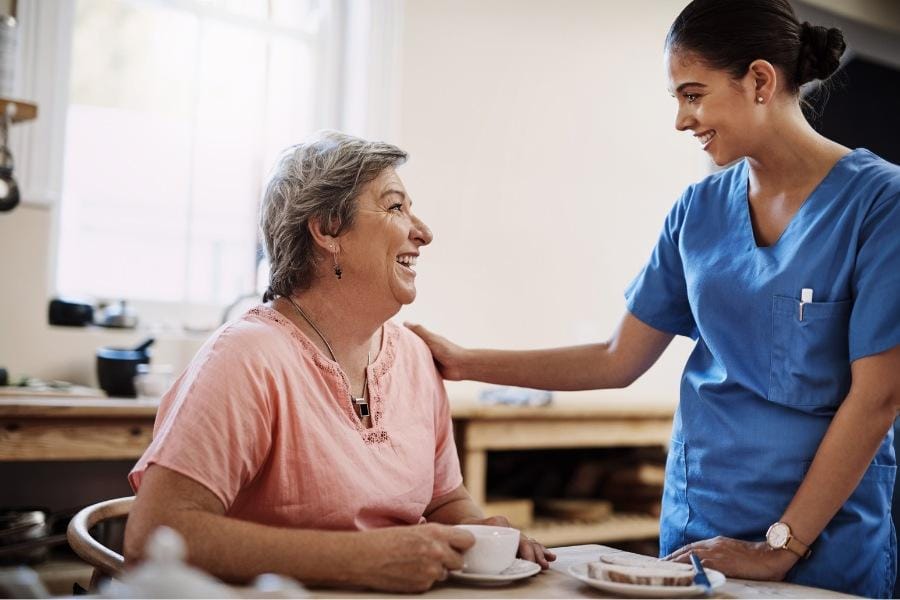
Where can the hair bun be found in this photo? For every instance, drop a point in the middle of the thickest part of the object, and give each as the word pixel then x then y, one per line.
pixel 820 52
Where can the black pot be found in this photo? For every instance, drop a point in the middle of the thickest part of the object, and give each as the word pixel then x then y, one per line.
pixel 116 368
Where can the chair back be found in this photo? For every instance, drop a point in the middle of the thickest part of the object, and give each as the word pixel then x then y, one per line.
pixel 105 561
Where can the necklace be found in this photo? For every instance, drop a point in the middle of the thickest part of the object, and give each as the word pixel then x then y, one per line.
pixel 362 403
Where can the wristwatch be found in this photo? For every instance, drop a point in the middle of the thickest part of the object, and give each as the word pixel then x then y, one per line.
pixel 780 537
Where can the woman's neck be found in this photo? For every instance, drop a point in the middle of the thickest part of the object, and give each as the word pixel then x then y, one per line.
pixel 352 333
pixel 793 156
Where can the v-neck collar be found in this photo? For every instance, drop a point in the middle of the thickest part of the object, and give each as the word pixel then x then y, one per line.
pixel 380 364
pixel 742 197
pixel 376 370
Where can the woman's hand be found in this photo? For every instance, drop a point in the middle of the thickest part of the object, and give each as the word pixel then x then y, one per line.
pixel 408 559
pixel 737 558
pixel 447 355
pixel 529 549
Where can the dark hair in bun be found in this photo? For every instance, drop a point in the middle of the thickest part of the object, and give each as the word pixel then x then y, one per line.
pixel 731 34
pixel 820 52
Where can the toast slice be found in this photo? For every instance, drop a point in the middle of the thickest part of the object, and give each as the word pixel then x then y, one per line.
pixel 636 570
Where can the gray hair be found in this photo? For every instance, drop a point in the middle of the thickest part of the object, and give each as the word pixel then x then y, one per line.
pixel 318 179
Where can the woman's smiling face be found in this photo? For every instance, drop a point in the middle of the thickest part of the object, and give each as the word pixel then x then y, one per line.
pixel 719 110
pixel 379 252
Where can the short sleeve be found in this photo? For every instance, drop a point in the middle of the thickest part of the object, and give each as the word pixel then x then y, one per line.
pixel 447 474
pixel 658 295
pixel 875 318
pixel 214 425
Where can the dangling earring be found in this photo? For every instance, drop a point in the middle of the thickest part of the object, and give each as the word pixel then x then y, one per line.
pixel 337 267
pixel 759 99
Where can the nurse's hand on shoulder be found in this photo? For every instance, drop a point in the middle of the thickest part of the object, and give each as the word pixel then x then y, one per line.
pixel 447 355
pixel 410 558
pixel 529 548
pixel 737 558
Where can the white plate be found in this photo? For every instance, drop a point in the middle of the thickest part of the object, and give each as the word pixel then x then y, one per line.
pixel 520 569
pixel 716 579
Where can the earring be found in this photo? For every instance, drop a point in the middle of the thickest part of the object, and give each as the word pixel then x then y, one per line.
pixel 759 99
pixel 337 267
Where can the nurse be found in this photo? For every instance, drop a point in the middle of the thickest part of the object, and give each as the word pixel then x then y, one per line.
pixel 785 269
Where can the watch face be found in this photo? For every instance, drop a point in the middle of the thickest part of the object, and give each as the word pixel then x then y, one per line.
pixel 778 534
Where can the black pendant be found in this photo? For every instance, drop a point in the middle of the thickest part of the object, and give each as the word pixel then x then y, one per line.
pixel 362 404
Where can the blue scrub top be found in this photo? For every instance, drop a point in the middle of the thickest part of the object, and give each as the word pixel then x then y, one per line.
pixel 761 385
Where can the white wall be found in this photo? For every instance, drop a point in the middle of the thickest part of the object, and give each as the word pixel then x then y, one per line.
pixel 544 156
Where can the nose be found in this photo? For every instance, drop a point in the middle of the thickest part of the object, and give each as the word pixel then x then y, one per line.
pixel 683 118
pixel 420 233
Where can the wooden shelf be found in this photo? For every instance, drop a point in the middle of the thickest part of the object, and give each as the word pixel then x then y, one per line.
pixel 23 111
pixel 618 527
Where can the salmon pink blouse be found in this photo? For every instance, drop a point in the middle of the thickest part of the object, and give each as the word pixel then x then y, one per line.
pixel 262 418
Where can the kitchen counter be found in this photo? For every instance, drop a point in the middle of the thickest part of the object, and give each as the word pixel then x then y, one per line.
pixel 74 428
pixel 64 427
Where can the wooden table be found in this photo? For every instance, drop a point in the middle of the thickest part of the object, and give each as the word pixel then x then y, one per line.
pixel 557 583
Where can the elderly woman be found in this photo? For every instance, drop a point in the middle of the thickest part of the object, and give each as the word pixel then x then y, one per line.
pixel 312 437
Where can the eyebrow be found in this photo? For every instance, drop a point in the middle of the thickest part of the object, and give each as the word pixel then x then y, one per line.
pixel 689 84
pixel 395 191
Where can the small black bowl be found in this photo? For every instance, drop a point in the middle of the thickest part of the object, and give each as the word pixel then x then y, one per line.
pixel 116 368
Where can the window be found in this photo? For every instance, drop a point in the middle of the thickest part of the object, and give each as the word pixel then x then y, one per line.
pixel 176 110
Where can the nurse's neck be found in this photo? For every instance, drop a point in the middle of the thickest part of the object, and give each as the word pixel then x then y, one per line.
pixel 790 158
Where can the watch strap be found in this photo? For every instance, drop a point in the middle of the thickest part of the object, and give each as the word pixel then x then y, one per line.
pixel 797 547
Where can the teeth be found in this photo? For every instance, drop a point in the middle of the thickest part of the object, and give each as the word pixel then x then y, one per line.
pixel 704 139
pixel 407 260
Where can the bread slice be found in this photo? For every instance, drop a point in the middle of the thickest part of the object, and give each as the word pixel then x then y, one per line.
pixel 638 570
pixel 623 559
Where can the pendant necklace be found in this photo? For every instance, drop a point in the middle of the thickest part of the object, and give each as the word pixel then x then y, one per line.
pixel 362 403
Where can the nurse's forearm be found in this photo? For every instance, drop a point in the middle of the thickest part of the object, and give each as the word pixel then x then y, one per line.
pixel 585 367
pixel 848 447
pixel 633 349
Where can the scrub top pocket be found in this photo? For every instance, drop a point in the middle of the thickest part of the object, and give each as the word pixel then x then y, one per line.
pixel 810 358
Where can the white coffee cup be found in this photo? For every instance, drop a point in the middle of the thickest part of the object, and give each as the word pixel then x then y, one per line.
pixel 494 549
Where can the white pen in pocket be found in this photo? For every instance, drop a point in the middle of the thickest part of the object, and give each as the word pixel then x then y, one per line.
pixel 806 296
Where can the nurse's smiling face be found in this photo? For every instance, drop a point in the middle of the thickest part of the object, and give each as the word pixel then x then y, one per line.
pixel 719 110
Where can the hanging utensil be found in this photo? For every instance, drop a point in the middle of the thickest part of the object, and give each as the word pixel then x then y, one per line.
pixel 9 189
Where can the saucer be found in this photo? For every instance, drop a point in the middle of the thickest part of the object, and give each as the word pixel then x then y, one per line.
pixel 520 569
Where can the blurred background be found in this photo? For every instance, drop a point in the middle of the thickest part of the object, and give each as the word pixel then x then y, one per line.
pixel 543 156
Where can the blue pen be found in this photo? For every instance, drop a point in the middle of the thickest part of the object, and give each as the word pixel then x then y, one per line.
pixel 700 577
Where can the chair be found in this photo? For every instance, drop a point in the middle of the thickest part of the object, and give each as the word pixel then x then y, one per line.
pixel 106 561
